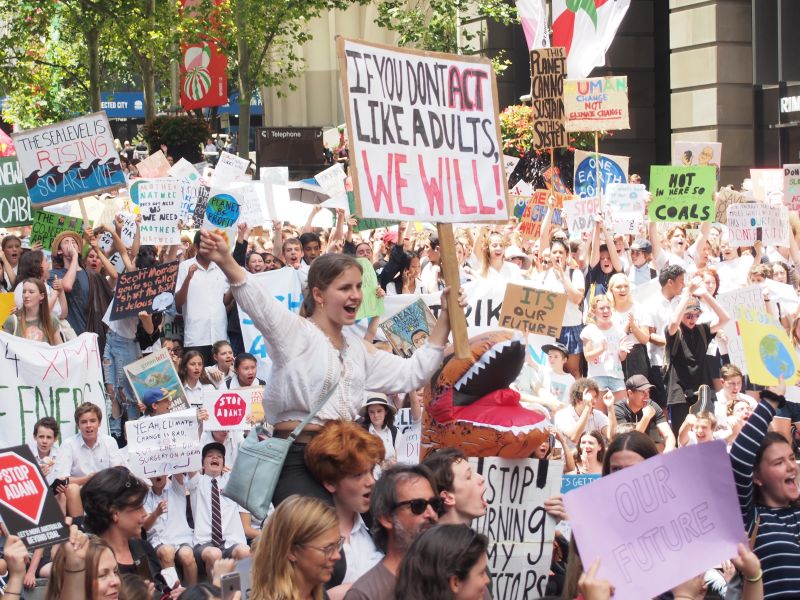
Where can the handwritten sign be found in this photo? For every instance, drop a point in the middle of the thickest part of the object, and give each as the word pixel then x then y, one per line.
pixel 27 506
pixel 425 135
pixel 767 185
pixel 149 290
pixel 409 328
pixel 157 371
pixel 791 188
pixel 183 170
pixel 625 207
pixel 533 311
pixel 682 193
pixel 68 160
pixel 408 437
pixel 665 518
pixel 332 180
pixel 159 205
pixel 229 168
pixel 155 165
pixel 231 410
pixel 573 482
pixel 580 214
pixel 47 225
pixel 749 297
pixel 534 211
pixel 519 555
pixel 754 221
pixel 251 198
pixel 15 205
pixel 222 213
pixel 548 67
pixel 596 104
pixel 689 154
pixel 768 351
pixel 613 169
pixel 193 205
pixel 164 444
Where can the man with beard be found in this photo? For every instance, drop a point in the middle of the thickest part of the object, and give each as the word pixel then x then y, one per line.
pixel 404 504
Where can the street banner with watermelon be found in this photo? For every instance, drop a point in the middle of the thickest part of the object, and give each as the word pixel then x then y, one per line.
pixel 203 78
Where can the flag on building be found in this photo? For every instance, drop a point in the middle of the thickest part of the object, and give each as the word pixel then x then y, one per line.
pixel 533 18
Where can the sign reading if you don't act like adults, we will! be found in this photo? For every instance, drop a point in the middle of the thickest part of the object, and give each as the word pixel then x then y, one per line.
pixel 681 194
pixel 424 134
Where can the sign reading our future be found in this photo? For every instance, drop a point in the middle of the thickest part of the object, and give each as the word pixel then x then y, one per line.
pixel 69 160
pixel 682 193
pixel 424 134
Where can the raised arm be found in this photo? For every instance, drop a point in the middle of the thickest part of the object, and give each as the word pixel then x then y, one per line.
pixel 308 226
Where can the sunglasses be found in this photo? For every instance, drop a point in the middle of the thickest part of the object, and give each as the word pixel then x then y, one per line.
pixel 419 505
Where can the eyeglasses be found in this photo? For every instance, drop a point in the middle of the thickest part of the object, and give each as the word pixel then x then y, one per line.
pixel 328 551
pixel 691 316
pixel 419 505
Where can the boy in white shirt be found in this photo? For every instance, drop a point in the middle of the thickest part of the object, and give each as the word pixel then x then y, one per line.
pixel 556 380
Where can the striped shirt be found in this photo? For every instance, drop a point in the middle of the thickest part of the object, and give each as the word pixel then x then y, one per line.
pixel 778 538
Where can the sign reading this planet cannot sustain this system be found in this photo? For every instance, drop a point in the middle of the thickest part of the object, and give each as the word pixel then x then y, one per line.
pixel 681 194
pixel 596 104
pixel 548 67
pixel 533 311
pixel 767 349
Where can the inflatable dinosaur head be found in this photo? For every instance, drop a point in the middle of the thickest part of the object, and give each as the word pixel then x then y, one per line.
pixel 469 405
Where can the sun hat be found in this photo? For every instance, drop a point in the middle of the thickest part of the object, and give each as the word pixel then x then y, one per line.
pixel 376 399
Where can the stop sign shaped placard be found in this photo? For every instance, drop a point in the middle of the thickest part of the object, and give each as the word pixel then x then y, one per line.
pixel 22 488
pixel 230 409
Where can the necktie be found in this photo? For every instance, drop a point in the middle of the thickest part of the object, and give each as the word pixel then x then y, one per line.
pixel 216 515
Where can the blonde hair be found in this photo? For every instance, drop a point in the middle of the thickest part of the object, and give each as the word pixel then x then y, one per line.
pixel 593 305
pixel 296 521
pixel 616 279
pixel 482 249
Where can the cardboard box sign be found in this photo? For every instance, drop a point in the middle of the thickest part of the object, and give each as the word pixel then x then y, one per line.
pixel 533 311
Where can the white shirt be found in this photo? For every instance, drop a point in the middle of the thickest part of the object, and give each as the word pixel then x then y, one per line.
pixel 76 459
pixel 547 280
pixel 360 551
pixel 231 444
pixel 733 273
pixel 51 476
pixel 171 526
pixel 660 316
pixel 199 487
pixel 386 437
pixel 205 319
pixel 606 364
pixel 567 418
pixel 194 395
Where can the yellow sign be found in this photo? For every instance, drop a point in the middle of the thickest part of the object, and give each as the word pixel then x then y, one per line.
pixel 767 349
pixel 6 304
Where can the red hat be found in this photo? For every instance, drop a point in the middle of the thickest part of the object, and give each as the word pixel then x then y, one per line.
pixel 390 237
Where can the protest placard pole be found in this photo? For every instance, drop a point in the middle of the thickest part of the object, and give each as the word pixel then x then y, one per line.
pixel 84 214
pixel 597 165
pixel 452 278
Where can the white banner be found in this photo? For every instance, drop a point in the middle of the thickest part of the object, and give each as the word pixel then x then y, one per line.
pixel 164 444
pixel 39 380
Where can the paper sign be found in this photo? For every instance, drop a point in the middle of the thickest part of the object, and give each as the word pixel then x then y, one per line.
pixel 534 211
pixel 68 160
pixel 149 290
pixel 424 134
pixel 573 482
pixel 156 371
pixel 791 188
pixel 548 68
pixel 159 205
pixel 408 438
pixel 681 194
pixel 222 213
pixel 27 505
pixel 251 198
pixel 752 222
pixel 164 444
pixel 193 206
pixel 625 207
pixel 519 554
pixel 332 180
pixel 229 168
pixel 613 169
pixel 749 297
pixel 533 311
pixel 183 170
pixel 664 519
pixel 231 410
pixel 580 214
pixel 690 154
pixel 155 165
pixel 768 351
pixel 767 185
pixel 47 225
pixel 596 104
pixel 409 328
pixel 371 304
pixel 15 205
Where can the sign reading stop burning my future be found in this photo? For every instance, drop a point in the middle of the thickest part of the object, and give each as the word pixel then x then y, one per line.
pixel 424 134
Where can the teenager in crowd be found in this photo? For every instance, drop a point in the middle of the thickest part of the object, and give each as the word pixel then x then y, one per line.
pixel 193 376
pixel 245 368
pixel 34 321
pixel 377 416
pixel 221 372
pixel 643 413
pixel 36 265
pixel 591 451
pixel 605 347
pixel 634 321
pixel 671 280
pixel 490 253
pixel 581 416
pixel 10 256
pixel 460 488
pixel 84 568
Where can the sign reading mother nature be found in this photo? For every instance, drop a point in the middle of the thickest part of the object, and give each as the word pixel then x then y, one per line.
pixel 69 159
pixel 667 518
pixel 424 134
pixel 596 104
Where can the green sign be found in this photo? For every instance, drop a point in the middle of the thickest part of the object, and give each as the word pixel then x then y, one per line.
pixel 47 225
pixel 15 205
pixel 682 193
pixel 371 304
pixel 365 224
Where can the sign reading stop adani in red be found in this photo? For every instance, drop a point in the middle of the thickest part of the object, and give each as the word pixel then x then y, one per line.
pixel 27 506
pixel 230 410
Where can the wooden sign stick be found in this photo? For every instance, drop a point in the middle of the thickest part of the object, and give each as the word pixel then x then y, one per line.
pixel 452 278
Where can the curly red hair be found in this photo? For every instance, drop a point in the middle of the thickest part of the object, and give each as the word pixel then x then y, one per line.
pixel 342 449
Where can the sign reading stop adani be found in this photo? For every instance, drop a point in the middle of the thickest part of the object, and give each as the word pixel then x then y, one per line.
pixel 27 506
pixel 232 410
pixel 69 160
pixel 424 134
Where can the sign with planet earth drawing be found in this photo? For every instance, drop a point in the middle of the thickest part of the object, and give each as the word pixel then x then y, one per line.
pixel 767 349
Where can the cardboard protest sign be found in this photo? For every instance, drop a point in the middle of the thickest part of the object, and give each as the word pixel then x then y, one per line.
pixel 519 555
pixel 155 165
pixel 27 505
pixel 767 185
pixel 613 169
pixel 371 304
pixel 580 214
pixel 533 311
pixel 229 168
pixel 749 297
pixel 534 211
pixel 156 371
pixel 193 205
pixel 47 225
pixel 15 205
pixel 408 438
pixel 724 198
pixel 681 194
pixel 671 515
pixel 222 213
pixel 409 328
pixel 548 68
pixel 232 410
pixel 68 160
pixel 573 482
pixel 41 380
pixel 768 351
pixel 596 104
pixel 791 188
pixel 164 444
pixel 424 134
pixel 754 221
pixel 150 290
pixel 159 205
pixel 690 154
pixel 624 204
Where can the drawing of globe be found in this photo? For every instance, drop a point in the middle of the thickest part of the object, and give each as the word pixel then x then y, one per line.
pixel 776 357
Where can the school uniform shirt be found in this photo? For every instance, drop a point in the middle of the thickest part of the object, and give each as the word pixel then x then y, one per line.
pixel 360 551
pixel 205 319
pixel 733 273
pixel 51 476
pixel 194 395
pixel 76 459
pixel 199 487
pixel 171 526
pixel 660 316
pixel 668 258
pixel 641 275
pixel 224 380
pixel 386 437
pixel 231 444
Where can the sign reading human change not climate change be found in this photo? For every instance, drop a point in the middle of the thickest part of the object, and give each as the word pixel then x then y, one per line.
pixel 596 104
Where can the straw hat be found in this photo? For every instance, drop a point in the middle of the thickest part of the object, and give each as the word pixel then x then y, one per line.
pixel 62 236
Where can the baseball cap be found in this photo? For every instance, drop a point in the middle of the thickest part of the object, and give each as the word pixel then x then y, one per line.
pixel 693 305
pixel 556 346
pixel 642 245
pixel 638 383
pixel 153 395
pixel 213 446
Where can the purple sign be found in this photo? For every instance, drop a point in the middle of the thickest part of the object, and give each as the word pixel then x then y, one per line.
pixel 663 521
